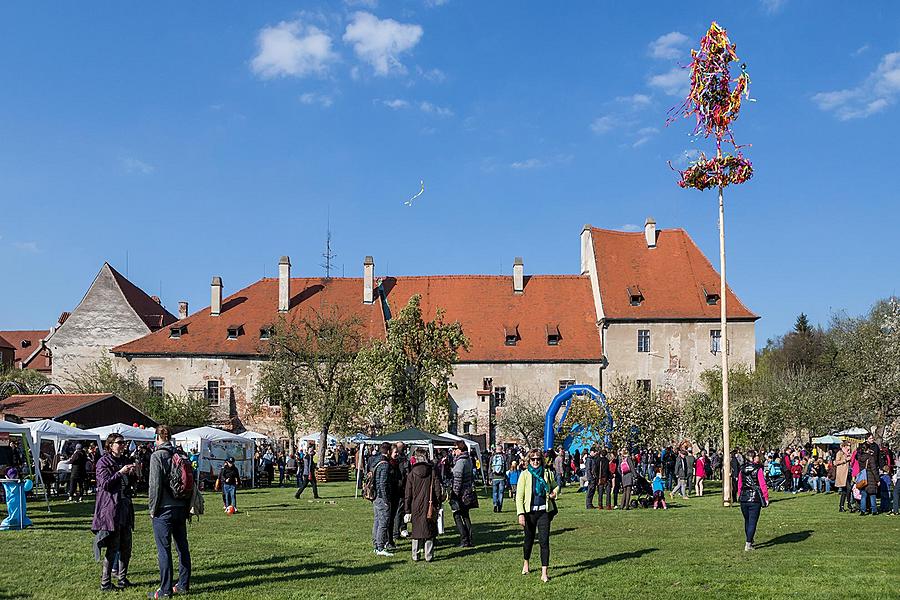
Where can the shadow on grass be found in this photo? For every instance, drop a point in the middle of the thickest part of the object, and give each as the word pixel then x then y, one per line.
pixel 604 560
pixel 788 538
pixel 490 537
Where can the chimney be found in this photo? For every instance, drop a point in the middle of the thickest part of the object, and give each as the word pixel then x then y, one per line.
pixel 650 232
pixel 284 284
pixel 518 275
pixel 368 280
pixel 182 309
pixel 586 250
pixel 156 299
pixel 215 305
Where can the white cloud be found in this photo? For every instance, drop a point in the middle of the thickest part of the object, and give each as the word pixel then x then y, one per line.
pixel 685 157
pixel 136 166
pixel 603 124
pixel 630 227
pixel 365 3
pixel 860 50
pixel 773 6
pixel 434 3
pixel 531 163
pixel 540 163
pixel 396 103
pixel 432 75
pixel 292 49
pixel 380 42
pixel 323 100
pixel 26 246
pixel 635 101
pixel 667 46
pixel 674 82
pixel 877 92
pixel 433 109
pixel 644 135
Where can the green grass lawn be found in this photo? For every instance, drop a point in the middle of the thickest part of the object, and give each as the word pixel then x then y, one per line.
pixel 278 547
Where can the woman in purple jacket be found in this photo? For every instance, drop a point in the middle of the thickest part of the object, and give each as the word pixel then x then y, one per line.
pixel 113 513
pixel 753 494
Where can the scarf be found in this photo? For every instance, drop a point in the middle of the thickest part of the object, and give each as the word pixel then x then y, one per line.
pixel 540 486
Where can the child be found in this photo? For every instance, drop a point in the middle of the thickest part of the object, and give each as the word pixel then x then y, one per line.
pixel 796 473
pixel 512 476
pixel 659 494
pixel 884 489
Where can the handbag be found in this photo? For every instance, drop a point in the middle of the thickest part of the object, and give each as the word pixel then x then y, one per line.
pixel 862 480
pixel 430 514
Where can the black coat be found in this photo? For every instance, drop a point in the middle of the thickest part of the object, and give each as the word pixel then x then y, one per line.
pixel 422 484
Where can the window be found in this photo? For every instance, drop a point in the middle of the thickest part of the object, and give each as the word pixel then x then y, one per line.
pixel 635 295
pixel 266 333
pixel 234 331
pixel 643 340
pixel 712 298
pixel 644 386
pixel 499 396
pixel 512 334
pixel 177 331
pixel 564 383
pixel 715 341
pixel 553 336
pixel 212 392
pixel 467 427
pixel 156 387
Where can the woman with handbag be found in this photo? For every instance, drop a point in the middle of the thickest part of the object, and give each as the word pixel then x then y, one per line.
pixel 422 498
pixel 536 506
pixel 753 494
pixel 462 496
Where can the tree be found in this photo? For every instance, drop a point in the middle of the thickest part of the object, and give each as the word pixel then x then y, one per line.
pixel 586 421
pixel 522 417
pixel 312 373
pixel 639 419
pixel 25 381
pixel 406 377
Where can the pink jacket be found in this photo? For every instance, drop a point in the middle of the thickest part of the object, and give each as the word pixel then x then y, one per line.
pixel 762 485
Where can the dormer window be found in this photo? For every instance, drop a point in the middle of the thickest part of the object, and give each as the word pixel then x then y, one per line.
pixel 712 297
pixel 511 333
pixel 553 336
pixel 635 295
pixel 266 333
pixel 26 343
pixel 176 331
pixel 234 331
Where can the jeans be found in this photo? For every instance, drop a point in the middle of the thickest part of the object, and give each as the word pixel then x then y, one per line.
pixel 682 485
pixel 813 483
pixel 302 484
pixel 606 491
pixel 589 496
pixel 827 485
pixel 171 524
pixel 382 510
pixel 867 497
pixel 497 486
pixel 669 479
pixel 537 522
pixel 229 495
pixel 750 511
pixel 896 501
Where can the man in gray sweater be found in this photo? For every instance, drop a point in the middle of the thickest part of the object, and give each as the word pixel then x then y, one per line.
pixel 169 516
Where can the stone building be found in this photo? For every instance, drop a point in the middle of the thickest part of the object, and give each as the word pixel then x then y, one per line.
pixel 30 350
pixel 112 312
pixel 643 307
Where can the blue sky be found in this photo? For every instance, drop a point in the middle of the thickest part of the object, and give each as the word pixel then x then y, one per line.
pixel 205 139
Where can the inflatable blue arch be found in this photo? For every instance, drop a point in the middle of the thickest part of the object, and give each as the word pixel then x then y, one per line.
pixel 551 427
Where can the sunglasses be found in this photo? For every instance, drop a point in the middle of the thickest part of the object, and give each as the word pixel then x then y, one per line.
pixel 534 459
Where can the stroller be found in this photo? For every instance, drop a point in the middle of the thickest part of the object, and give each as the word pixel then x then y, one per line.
pixel 641 492
pixel 775 479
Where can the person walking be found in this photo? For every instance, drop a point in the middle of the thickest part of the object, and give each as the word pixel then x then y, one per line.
pixel 627 467
pixel 306 473
pixel 462 497
pixel 559 467
pixel 381 505
pixel 753 494
pixel 169 517
pixel 701 472
pixel 498 477
pixel 78 465
pixel 536 506
pixel 422 498
pixel 229 480
pixel 592 474
pixel 113 522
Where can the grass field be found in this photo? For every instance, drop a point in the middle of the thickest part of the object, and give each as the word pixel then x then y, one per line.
pixel 278 547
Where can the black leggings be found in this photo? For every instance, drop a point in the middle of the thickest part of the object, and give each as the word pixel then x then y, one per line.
pixel 751 518
pixel 538 521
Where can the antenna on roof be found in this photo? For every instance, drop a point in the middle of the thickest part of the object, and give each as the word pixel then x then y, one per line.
pixel 126 264
pixel 328 255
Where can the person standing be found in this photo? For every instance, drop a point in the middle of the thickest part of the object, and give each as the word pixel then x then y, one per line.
pixel 422 497
pixel 77 474
pixel 462 497
pixel 536 506
pixel 498 477
pixel 753 494
pixel 229 480
pixel 113 522
pixel 681 468
pixel 627 467
pixel 604 481
pixel 701 472
pixel 868 455
pixel 691 464
pixel 169 516
pixel 592 472
pixel 381 469
pixel 401 471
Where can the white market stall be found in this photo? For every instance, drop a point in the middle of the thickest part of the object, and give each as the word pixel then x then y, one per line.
pixel 10 431
pixel 314 438
pixel 255 435
pixel 59 434
pixel 213 446
pixel 130 433
pixel 469 443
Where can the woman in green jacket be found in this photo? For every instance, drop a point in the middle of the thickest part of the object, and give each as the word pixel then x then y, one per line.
pixel 536 506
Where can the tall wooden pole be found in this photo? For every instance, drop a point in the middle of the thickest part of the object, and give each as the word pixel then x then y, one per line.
pixel 726 429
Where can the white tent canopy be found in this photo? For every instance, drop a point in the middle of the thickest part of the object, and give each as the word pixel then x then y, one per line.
pixel 130 433
pixel 48 429
pixel 314 438
pixel 826 440
pixel 254 435
pixel 853 432
pixel 14 429
pixel 469 443
pixel 213 446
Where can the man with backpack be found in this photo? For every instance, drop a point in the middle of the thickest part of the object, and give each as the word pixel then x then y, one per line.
pixel 498 477
pixel 171 489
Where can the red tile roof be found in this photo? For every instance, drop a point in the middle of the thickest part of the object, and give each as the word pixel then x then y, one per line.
pixel 149 310
pixel 6 344
pixel 256 307
pixel 47 406
pixel 671 277
pixel 486 306
pixel 25 343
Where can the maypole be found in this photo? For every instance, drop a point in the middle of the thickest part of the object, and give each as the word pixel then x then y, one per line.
pixel 715 105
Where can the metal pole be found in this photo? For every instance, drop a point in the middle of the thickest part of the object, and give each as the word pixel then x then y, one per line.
pixel 726 429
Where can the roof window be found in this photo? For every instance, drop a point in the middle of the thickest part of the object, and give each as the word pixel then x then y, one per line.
pixel 712 297
pixel 26 343
pixel 234 331
pixel 266 332
pixel 176 331
pixel 511 333
pixel 553 336
pixel 635 295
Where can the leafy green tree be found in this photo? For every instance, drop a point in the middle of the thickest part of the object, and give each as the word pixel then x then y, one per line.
pixel 639 418
pixel 522 417
pixel 406 377
pixel 29 380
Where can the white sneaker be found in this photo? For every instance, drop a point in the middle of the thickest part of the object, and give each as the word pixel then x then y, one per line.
pixel 383 553
pixel 404 533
